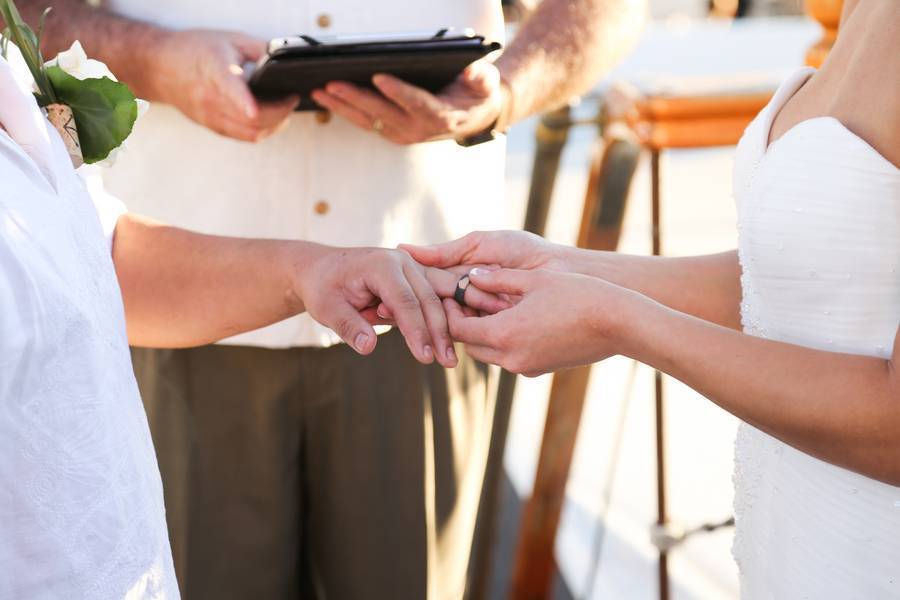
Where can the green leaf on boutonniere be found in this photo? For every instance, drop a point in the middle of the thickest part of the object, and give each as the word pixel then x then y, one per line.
pixel 29 44
pixel 104 111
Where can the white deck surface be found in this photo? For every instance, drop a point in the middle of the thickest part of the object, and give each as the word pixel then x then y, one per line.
pixel 698 217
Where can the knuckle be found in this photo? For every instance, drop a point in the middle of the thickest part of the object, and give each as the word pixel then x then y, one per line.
pixel 432 302
pixel 514 364
pixel 360 120
pixel 502 339
pixel 393 255
pixel 407 300
pixel 344 327
pixel 443 121
pixel 201 95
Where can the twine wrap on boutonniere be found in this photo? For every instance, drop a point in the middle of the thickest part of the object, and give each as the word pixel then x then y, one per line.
pixel 63 120
pixel 92 111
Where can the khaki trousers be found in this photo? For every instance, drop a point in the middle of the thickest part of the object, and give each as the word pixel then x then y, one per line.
pixel 317 473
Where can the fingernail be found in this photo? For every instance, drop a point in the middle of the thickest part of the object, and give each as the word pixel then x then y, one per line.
pixel 478 272
pixel 360 342
pixel 451 353
pixel 428 353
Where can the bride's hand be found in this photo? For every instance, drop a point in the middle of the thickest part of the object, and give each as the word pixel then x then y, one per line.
pixel 507 249
pixel 563 320
pixel 341 287
pixel 443 282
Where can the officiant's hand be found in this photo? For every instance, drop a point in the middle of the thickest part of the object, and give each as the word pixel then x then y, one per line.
pixel 406 114
pixel 342 287
pixel 200 73
pixel 562 320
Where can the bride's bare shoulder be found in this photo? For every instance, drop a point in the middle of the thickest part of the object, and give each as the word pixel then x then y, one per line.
pixel 867 98
pixel 859 84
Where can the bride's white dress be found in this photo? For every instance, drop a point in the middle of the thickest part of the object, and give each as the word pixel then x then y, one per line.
pixel 819 226
pixel 81 509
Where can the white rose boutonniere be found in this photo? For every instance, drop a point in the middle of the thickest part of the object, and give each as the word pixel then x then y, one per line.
pixel 76 63
pixel 93 112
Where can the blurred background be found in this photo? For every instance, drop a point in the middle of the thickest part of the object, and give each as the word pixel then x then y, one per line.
pixel 604 547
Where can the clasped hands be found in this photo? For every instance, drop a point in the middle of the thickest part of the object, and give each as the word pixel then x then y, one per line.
pixel 527 308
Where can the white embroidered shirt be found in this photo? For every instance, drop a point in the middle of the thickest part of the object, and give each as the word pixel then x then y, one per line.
pixel 81 509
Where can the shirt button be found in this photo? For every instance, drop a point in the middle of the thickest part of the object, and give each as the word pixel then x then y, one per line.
pixel 323 116
pixel 324 21
pixel 321 207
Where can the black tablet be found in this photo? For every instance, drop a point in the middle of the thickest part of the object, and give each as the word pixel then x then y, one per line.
pixel 301 64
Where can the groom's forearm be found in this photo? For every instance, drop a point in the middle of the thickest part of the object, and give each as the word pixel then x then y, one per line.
pixel 182 288
pixel 126 46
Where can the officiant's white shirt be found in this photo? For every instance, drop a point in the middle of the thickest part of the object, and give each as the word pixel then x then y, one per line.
pixel 326 182
pixel 81 507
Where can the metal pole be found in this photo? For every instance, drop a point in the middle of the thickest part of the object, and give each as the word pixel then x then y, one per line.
pixel 486 530
pixel 551 135
pixel 662 517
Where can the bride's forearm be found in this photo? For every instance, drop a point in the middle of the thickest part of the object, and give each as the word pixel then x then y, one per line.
pixel 841 408
pixel 707 287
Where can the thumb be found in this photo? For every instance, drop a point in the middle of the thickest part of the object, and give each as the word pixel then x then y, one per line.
pixel 503 281
pixel 481 77
pixel 251 48
pixel 237 96
pixel 448 254
pixel 351 326
pixel 235 91
pixel 430 256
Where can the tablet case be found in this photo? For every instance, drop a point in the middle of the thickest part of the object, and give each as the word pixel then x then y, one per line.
pixel 428 62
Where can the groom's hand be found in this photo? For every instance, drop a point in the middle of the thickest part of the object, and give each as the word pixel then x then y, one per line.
pixel 200 73
pixel 337 285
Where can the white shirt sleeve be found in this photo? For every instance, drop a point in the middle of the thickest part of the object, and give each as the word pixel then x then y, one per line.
pixel 109 208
